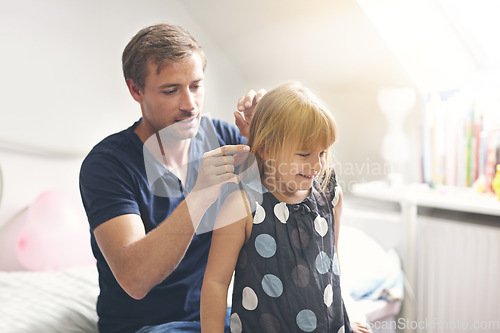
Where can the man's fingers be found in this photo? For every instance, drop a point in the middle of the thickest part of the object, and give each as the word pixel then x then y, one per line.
pixel 230 150
pixel 234 160
pixel 241 103
pixel 260 93
pixel 247 101
pixel 225 169
pixel 243 124
pixel 249 98
pixel 227 150
pixel 223 160
pixel 239 120
pixel 229 178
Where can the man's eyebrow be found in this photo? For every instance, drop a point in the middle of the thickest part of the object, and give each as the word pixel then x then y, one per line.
pixel 196 81
pixel 168 85
pixel 172 85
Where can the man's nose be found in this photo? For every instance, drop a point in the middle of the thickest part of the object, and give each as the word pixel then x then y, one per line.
pixel 188 101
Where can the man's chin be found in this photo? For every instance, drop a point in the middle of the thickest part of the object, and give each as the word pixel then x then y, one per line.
pixel 181 131
pixel 186 134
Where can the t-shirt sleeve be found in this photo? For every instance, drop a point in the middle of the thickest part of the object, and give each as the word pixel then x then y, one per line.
pixel 228 134
pixel 106 189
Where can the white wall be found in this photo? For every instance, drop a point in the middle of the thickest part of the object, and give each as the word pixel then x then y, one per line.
pixel 63 90
pixel 62 84
pixel 27 174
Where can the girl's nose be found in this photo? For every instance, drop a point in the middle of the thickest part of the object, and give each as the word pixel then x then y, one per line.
pixel 316 163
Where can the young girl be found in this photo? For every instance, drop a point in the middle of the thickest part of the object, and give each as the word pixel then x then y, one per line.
pixel 282 249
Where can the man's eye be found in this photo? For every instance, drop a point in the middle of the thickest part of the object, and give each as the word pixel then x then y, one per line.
pixel 169 92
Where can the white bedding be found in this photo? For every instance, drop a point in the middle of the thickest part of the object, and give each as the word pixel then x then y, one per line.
pixel 64 300
pixel 49 301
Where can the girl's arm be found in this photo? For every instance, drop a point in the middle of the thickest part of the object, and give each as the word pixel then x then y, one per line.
pixel 231 224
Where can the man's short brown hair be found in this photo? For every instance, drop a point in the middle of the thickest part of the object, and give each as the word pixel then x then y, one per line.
pixel 162 44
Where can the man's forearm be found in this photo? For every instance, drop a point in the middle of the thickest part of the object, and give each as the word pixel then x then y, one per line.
pixel 142 262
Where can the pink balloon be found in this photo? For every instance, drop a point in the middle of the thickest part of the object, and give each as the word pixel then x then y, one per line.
pixel 52 233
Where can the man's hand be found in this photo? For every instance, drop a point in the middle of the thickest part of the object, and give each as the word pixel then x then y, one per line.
pixel 217 168
pixel 246 105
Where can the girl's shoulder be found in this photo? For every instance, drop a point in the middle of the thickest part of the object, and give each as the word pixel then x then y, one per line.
pixel 234 210
pixel 252 195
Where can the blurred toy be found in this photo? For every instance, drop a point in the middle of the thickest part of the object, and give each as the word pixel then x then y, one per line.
pixel 496 182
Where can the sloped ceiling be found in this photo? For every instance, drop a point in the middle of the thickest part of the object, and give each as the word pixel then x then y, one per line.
pixel 331 46
pixel 319 42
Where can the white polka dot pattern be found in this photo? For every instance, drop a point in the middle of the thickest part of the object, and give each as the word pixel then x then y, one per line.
pixel 335 199
pixel 249 299
pixel 289 263
pixel 320 226
pixel 235 324
pixel 281 211
pixel 328 295
pixel 260 214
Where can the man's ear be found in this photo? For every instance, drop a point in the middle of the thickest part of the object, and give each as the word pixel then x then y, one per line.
pixel 134 89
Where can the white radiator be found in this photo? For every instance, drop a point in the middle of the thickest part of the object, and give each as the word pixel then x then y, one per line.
pixel 457 277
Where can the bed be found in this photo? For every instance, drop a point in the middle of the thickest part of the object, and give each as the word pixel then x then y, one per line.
pixel 64 300
pixel 49 301
pixel 48 279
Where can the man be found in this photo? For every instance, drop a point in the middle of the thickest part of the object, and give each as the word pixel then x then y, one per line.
pixel 150 260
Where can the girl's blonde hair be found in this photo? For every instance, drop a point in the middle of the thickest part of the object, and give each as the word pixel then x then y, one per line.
pixel 291 114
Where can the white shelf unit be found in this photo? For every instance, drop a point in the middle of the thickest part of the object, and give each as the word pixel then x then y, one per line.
pixel 449 198
pixel 411 199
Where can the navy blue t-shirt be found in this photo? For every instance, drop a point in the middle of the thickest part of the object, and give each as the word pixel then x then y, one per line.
pixel 113 182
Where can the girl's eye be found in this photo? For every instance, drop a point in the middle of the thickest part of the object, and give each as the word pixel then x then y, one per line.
pixel 303 155
pixel 323 153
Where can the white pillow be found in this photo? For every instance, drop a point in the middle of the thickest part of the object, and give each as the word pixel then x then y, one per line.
pixel 367 269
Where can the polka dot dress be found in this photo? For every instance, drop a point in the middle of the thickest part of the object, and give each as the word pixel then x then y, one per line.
pixel 287 275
